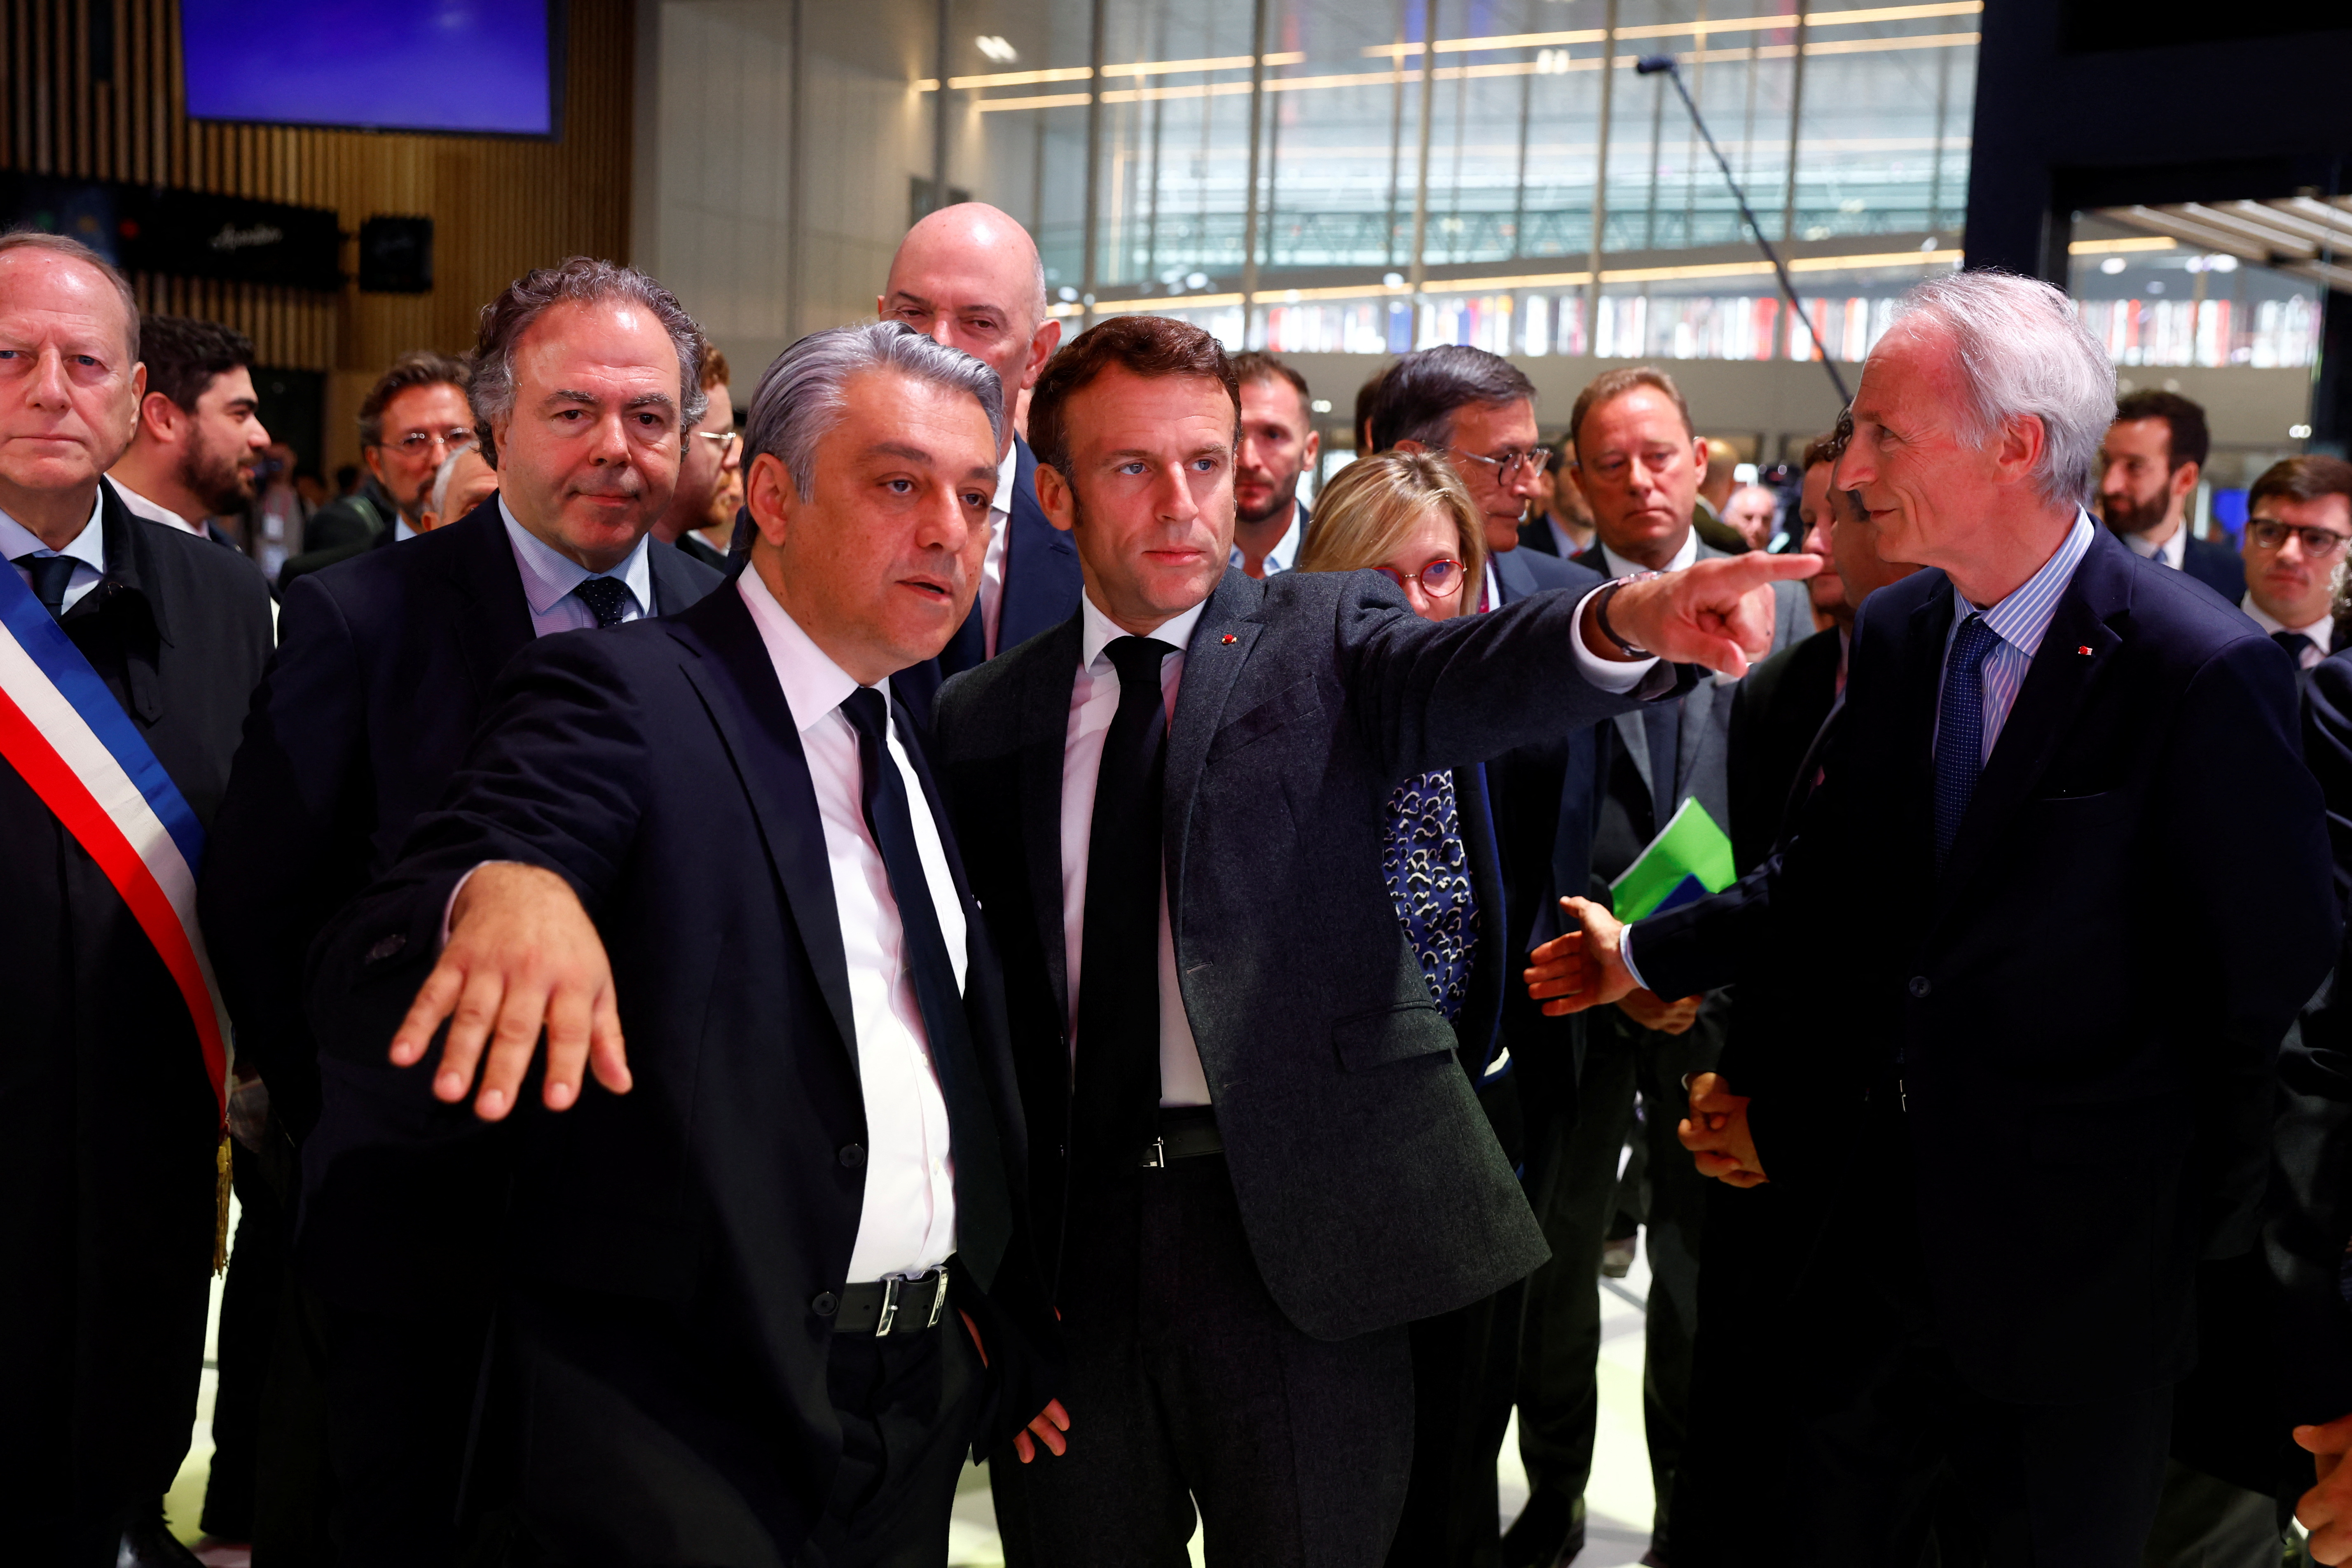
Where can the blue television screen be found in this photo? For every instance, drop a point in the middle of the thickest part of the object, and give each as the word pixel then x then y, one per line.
pixel 476 65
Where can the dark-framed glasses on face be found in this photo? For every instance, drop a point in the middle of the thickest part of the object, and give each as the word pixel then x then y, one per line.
pixel 2319 543
pixel 1510 465
pixel 1439 579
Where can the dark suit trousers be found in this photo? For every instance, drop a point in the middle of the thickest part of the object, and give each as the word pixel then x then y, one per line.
pixel 1880 1409
pixel 250 1299
pixel 1576 1199
pixel 907 1405
pixel 400 1396
pixel 1187 1385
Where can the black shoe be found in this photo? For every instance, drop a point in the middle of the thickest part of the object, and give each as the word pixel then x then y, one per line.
pixel 146 1544
pixel 1656 1557
pixel 1549 1533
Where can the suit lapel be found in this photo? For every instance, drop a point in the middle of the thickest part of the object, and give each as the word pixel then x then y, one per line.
pixel 1048 677
pixel 1633 737
pixel 672 589
pixel 2056 684
pixel 1694 738
pixel 1220 644
pixel 495 625
pixel 738 684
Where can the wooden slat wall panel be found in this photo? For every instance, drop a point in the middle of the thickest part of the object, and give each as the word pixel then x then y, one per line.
pixel 500 205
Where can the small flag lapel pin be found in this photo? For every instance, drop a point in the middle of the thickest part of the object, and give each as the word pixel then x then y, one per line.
pixel 2084 650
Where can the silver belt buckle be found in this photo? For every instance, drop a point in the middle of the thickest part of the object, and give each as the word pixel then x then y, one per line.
pixel 939 1294
pixel 889 1314
pixel 1157 1159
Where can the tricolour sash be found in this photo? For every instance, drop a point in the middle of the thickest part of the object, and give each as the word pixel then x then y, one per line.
pixel 63 732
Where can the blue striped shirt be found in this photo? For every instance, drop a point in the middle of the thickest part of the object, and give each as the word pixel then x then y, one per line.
pixel 2019 621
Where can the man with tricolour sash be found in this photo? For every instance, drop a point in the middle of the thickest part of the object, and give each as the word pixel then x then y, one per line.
pixel 127 652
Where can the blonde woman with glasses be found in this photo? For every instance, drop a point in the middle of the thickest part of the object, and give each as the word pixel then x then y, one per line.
pixel 1406 516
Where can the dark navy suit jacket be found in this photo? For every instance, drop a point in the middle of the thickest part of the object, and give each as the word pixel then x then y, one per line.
pixel 2215 565
pixel 2102 964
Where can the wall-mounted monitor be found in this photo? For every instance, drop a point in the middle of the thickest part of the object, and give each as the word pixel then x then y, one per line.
pixel 467 67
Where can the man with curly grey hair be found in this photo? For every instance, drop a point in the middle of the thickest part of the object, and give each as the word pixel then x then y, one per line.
pixel 764 1282
pixel 584 380
pixel 2032 1121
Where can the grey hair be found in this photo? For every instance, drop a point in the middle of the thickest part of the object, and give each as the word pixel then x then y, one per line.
pixel 441 477
pixel 74 250
pixel 801 396
pixel 581 280
pixel 2024 351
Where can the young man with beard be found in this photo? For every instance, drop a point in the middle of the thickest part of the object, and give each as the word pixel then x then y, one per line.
pixel 410 421
pixel 198 443
pixel 2148 468
pixel 1279 443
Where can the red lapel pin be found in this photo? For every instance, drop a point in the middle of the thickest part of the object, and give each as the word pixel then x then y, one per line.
pixel 1230 640
pixel 2084 650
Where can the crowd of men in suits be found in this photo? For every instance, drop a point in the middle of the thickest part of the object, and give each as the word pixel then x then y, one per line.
pixel 915 977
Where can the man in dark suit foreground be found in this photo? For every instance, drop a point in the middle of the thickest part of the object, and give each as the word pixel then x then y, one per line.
pixel 2034 733
pixel 386 664
pixel 1251 1143
pixel 113 1107
pixel 749 1285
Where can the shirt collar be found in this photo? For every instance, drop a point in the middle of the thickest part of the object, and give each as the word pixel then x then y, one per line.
pixel 1619 567
pixel 1284 551
pixel 548 574
pixel 2023 618
pixel 813 684
pixel 88 547
pixel 1099 631
pixel 2171 552
pixel 1008 474
pixel 2319 631
pixel 139 505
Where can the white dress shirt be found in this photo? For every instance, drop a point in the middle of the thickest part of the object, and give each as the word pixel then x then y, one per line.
pixel 1284 551
pixel 2321 631
pixel 2172 551
pixel 1093 701
pixel 999 540
pixel 907 1222
pixel 549 576
pixel 140 506
pixel 87 550
pixel 1619 567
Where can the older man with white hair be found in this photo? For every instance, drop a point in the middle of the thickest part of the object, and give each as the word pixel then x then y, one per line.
pixel 2029 1120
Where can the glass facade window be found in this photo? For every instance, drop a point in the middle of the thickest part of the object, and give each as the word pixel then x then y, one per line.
pixel 2154 301
pixel 1476 148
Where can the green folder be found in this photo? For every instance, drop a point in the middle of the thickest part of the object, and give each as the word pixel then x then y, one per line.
pixel 1688 860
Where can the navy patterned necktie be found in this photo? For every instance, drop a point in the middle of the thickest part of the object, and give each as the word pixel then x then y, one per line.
pixel 1428 874
pixel 1959 731
pixel 608 597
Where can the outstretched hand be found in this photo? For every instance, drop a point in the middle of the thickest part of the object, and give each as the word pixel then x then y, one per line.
pixel 1581 970
pixel 2325 1509
pixel 1717 1133
pixel 1716 612
pixel 522 955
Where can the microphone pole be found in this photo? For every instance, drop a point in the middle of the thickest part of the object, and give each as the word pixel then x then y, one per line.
pixel 1653 65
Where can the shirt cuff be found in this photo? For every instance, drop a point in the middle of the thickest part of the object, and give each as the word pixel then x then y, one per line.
pixel 1607 674
pixel 1625 956
pixel 452 905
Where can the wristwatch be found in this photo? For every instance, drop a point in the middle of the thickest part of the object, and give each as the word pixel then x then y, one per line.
pixel 1601 613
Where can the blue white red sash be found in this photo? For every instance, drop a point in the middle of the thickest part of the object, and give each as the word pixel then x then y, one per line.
pixel 63 732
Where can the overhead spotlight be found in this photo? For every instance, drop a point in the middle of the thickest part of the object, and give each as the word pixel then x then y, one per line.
pixel 1391 280
pixel 1551 62
pixel 1322 405
pixel 2298 431
pixel 2222 263
pixel 1196 280
pixel 2112 266
pixel 997 49
pixel 1069 295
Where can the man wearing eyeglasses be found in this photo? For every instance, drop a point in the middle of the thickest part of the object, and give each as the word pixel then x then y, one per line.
pixel 410 421
pixel 701 517
pixel 1638 464
pixel 2298 526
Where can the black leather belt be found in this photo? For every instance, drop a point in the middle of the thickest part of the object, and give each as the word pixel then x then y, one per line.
pixel 888 1307
pixel 1186 1133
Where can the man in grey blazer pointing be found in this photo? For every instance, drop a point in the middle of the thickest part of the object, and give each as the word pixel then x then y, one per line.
pixel 1246 1126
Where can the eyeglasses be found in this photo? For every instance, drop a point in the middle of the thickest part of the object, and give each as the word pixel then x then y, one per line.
pixel 2319 544
pixel 1511 464
pixel 725 438
pixel 1440 579
pixel 415 442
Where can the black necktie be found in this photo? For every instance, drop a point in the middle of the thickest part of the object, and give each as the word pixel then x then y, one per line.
pixel 2295 643
pixel 52 575
pixel 983 1202
pixel 1663 722
pixel 609 597
pixel 1116 1095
